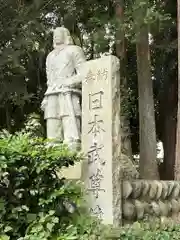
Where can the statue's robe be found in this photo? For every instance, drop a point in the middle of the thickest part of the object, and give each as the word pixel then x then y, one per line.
pixel 62 108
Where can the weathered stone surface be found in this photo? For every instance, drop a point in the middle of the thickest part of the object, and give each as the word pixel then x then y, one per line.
pixel 164 190
pixel 156 208
pixel 101 138
pixel 137 188
pixel 169 206
pixel 159 189
pixel 127 189
pixel 152 198
pixel 129 210
pixel 146 187
pixel 164 208
pixel 148 208
pixel 178 200
pixel 153 190
pixel 170 187
pixel 175 206
pixel 128 169
pixel 140 209
pixel 176 191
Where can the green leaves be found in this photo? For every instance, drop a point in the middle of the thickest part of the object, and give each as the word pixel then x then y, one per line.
pixel 31 194
pixel 2 205
pixel 148 231
pixel 34 203
pixel 4 237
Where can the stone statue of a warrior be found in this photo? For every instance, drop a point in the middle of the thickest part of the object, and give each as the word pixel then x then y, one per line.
pixel 61 104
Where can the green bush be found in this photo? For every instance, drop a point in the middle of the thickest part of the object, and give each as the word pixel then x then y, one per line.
pixel 147 231
pixel 33 200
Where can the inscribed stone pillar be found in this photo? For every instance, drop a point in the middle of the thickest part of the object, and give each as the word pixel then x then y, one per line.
pixel 101 138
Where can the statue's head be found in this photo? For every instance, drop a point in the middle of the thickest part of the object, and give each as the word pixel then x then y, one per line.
pixel 61 36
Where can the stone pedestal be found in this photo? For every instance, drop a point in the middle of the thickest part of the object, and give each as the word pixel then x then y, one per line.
pixel 101 137
pixel 71 172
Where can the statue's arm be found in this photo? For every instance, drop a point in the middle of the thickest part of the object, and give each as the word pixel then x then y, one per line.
pixel 79 58
pixel 48 70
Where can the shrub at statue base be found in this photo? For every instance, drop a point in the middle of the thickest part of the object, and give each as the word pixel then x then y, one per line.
pixel 34 202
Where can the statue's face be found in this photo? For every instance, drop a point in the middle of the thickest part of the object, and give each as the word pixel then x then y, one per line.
pixel 58 38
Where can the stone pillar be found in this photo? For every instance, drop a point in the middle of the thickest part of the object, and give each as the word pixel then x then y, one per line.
pixel 101 138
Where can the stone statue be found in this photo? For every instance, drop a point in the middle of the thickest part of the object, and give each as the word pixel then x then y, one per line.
pixel 61 104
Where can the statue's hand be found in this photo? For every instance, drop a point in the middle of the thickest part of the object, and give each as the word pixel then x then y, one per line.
pixel 73 82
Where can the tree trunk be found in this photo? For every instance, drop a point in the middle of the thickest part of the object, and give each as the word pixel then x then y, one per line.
pixel 148 164
pixel 168 111
pixel 121 54
pixel 177 160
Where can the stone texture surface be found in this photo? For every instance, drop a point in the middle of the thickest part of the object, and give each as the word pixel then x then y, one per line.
pixel 101 138
pixel 61 104
pixel 129 170
pixel 116 140
pixel 143 198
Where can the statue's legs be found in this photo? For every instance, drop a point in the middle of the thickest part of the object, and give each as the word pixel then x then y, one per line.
pixel 54 129
pixel 72 172
pixel 71 112
pixel 71 132
pixel 53 122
